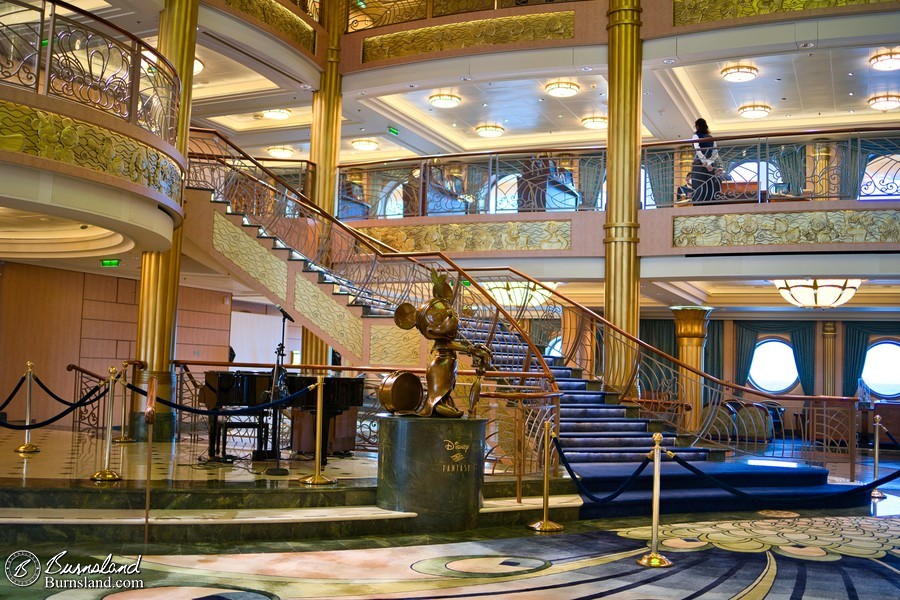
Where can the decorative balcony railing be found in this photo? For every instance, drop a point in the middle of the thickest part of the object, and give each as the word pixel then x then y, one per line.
pixel 56 49
pixel 824 165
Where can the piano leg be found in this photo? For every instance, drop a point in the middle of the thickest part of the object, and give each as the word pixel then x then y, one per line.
pixel 213 436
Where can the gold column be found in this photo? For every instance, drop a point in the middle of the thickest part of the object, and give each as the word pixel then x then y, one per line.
pixel 160 271
pixel 829 357
pixel 325 131
pixel 690 333
pixel 313 350
pixel 821 173
pixel 622 276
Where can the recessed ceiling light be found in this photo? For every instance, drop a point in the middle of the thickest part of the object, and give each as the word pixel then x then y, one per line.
pixel 587 69
pixel 886 61
pixel 445 100
pixel 489 131
pixel 464 78
pixel 276 114
pixel 885 102
pixel 364 144
pixel 808 45
pixel 739 73
pixel 670 61
pixel 562 89
pixel 754 111
pixel 850 94
pixel 280 151
pixel 595 122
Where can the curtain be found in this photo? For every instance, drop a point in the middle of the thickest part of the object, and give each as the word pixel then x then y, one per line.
pixel 853 169
pixel 803 341
pixel 659 166
pixel 791 163
pixel 591 173
pixel 856 344
pixel 658 373
pixel 714 353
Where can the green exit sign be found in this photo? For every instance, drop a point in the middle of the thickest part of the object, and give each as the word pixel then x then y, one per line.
pixel 109 262
pixel 393 131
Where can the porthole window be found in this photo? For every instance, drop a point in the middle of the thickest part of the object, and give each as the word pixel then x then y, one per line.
pixel 773 369
pixel 880 369
pixel 554 348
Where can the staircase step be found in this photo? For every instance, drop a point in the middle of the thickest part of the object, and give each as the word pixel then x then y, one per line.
pixel 627 454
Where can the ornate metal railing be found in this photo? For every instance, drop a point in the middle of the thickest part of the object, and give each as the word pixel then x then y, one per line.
pixel 56 49
pixel 824 165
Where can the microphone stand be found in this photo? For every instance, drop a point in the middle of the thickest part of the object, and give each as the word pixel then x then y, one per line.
pixel 276 393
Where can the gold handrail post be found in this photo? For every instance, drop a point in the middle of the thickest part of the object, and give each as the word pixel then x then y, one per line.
pixel 28 447
pixel 876 493
pixel 123 438
pixel 317 478
pixel 654 558
pixel 545 525
pixel 107 474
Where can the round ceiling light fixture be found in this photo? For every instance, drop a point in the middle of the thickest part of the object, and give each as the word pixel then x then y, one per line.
pixel 754 111
pixel 595 122
pixel 740 73
pixel 444 100
pixel 886 61
pixel 885 102
pixel 562 89
pixel 817 293
pixel 198 65
pixel 276 114
pixel 364 144
pixel 489 131
pixel 280 151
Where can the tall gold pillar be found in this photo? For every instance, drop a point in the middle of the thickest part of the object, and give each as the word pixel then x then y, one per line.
pixel 160 271
pixel 821 172
pixel 313 350
pixel 690 334
pixel 325 132
pixel 622 272
pixel 829 357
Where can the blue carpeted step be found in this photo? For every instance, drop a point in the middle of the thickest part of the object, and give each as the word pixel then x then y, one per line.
pixel 628 454
pixel 591 411
pixel 602 424
pixel 617 439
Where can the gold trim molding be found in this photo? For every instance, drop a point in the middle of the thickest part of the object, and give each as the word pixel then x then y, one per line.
pixel 475 237
pixel 691 12
pixel 279 18
pixel 253 259
pixel 813 227
pixel 470 34
pixel 34 132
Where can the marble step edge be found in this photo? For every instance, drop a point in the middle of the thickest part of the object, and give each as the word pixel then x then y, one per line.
pixel 75 516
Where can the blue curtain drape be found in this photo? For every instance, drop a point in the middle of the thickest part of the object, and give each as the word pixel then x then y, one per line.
pixel 791 163
pixel 803 341
pixel 591 173
pixel 659 333
pixel 659 171
pixel 856 343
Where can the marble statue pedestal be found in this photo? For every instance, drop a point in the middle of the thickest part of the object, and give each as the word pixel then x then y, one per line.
pixel 433 467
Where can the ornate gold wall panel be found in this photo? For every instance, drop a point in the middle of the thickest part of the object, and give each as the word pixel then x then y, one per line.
pixel 245 252
pixel 49 135
pixel 330 316
pixel 471 34
pixel 471 237
pixel 820 227
pixel 688 12
pixel 278 18
pixel 390 345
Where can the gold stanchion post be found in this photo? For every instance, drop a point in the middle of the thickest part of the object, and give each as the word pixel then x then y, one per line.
pixel 28 447
pixel 654 558
pixel 545 525
pixel 317 478
pixel 124 438
pixel 149 419
pixel 876 493
pixel 107 474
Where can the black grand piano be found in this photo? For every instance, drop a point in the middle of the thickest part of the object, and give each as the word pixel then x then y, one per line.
pixel 235 389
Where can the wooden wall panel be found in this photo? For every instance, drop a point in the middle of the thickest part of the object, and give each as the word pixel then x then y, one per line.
pixel 204 325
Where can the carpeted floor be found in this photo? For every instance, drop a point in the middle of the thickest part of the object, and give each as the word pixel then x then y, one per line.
pixel 767 555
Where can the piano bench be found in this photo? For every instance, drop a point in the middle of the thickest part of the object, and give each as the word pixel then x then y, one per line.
pixel 262 432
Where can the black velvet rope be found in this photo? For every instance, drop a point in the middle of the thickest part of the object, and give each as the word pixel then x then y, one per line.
pixel 14 392
pixel 85 400
pixel 584 491
pixel 51 394
pixel 237 411
pixel 784 501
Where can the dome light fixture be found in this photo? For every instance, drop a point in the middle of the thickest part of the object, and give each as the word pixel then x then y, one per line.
pixel 489 131
pixel 740 73
pixel 754 111
pixel 886 61
pixel 562 89
pixel 276 114
pixel 444 100
pixel 817 293
pixel 364 144
pixel 884 102
pixel 198 65
pixel 595 122
pixel 280 151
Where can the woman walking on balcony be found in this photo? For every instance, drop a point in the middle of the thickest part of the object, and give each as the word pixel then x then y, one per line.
pixel 704 182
